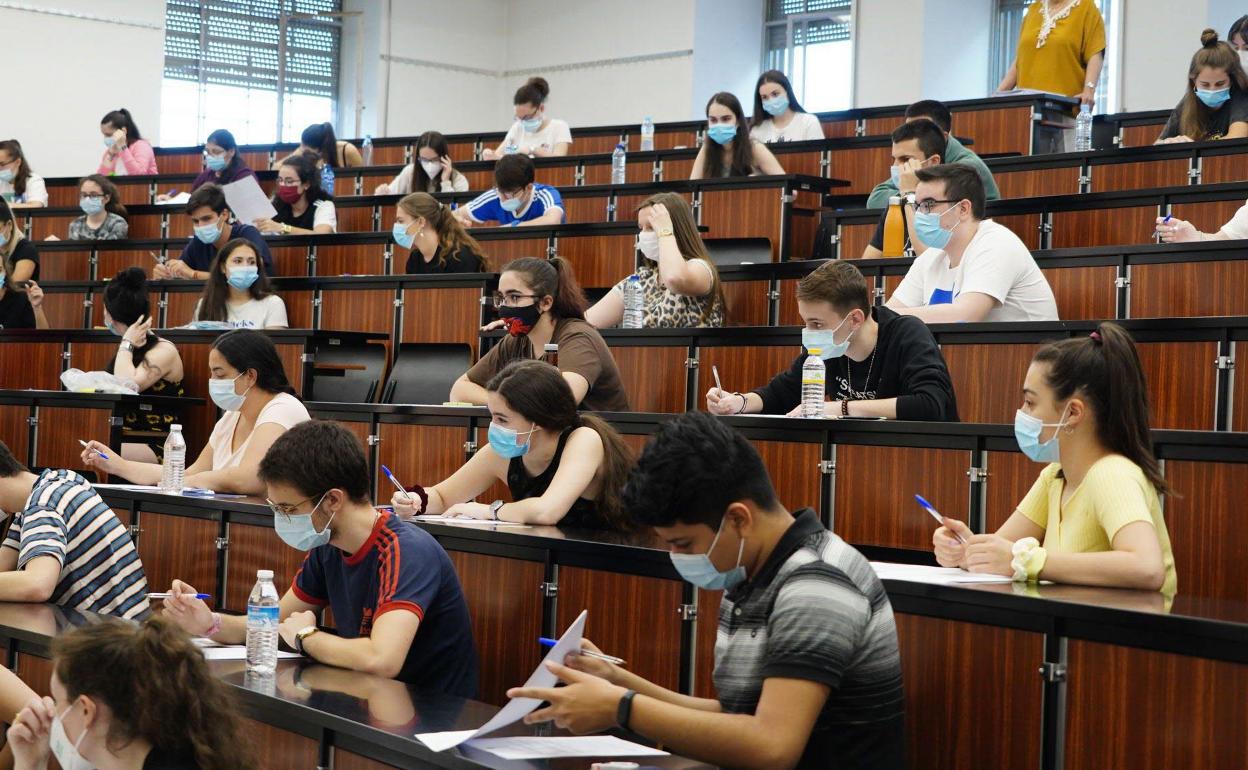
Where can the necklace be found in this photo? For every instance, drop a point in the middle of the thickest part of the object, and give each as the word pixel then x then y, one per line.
pixel 866 381
pixel 1051 19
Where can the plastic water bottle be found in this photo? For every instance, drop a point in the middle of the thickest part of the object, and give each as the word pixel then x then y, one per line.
pixel 647 134
pixel 511 149
pixel 327 178
pixel 262 621
pixel 368 150
pixel 174 468
pixel 634 303
pixel 814 379
pixel 1083 129
pixel 619 165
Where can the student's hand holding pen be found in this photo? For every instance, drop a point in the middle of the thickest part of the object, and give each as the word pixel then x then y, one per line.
pixel 949 543
pixel 590 664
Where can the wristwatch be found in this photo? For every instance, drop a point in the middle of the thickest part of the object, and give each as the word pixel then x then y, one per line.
pixel 302 634
pixel 1090 85
pixel 286 229
pixel 127 346
pixel 495 507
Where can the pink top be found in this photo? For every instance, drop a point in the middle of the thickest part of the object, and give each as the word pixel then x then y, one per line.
pixel 137 159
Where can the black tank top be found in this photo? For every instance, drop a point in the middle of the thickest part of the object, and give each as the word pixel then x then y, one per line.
pixel 583 513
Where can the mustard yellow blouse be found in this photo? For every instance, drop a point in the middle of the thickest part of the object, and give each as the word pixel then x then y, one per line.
pixel 1060 65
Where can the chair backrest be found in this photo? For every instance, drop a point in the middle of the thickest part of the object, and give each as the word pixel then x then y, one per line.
pixel 738 251
pixel 348 375
pixel 423 372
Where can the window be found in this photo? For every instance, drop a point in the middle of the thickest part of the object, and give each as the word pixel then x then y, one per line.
pixel 1009 21
pixel 225 67
pixel 807 40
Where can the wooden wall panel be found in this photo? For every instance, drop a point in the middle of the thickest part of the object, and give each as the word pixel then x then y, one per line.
pixel 359 259
pixel 62 195
pixel 43 226
pixel 995 719
pixel 1189 289
pixel 635 172
pixel 1162 710
pixel 801 162
pixel 110 262
pixel 346 760
pixel 1181 383
pixel 252 548
pixel 1010 476
pixel 299 310
pixel 421 454
pixel 60 427
pixel 1103 227
pixel 988 399
pixel 869 512
pixel 594 145
pixel 462 151
pixel 653 377
pixel 277 749
pixel 1025 226
pixel 747 302
pixel 788 304
pixel 442 315
pixel 863 168
pixel 668 140
pixel 36 672
pixel 65 309
pixel 839 129
pixel 1084 292
pixel 146 225
pixel 1139 175
pixel 1239 399
pixel 180 163
pixel 1215 169
pixel 879 126
pixel 1139 136
pixel 854 239
pixel 178 547
pixel 14 430
pixel 794 471
pixel 750 213
pixel 1206 532
pixel 672 169
pixel 66 266
pixel 503 250
pixel 30 365
pixel 1036 182
pixel 181 308
pixel 588 209
pixel 741 368
pixel 600 261
pixel 995 131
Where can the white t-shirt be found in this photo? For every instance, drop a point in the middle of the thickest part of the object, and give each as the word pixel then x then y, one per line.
pixel 995 263
pixel 267 313
pixel 1237 228
pixel 325 214
pixel 284 410
pixel 402 184
pixel 802 128
pixel 556 131
pixel 36 191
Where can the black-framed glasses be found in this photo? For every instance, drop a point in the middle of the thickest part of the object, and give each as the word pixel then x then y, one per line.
pixel 93 196
pixel 286 510
pixel 925 206
pixel 510 299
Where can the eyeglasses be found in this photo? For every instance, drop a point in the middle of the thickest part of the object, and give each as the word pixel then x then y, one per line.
pixel 93 196
pixel 286 510
pixel 511 298
pixel 925 206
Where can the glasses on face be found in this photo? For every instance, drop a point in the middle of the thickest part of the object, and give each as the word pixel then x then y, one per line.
pixel 92 196
pixel 286 510
pixel 925 206
pixel 287 182
pixel 511 298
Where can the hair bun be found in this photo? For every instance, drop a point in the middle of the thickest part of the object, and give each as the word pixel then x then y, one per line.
pixel 541 85
pixel 132 278
pixel 1209 38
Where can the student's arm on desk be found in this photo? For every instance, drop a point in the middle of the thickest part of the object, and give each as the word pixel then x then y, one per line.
pixel 33 583
pixel 583 456
pixel 382 652
pixel 967 308
pixel 195 617
pixel 467 391
pixel 553 216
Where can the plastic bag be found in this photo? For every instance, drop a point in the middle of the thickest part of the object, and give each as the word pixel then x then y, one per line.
pixel 78 381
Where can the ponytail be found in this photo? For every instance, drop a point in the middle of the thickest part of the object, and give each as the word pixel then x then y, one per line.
pixel 1104 368
pixel 552 278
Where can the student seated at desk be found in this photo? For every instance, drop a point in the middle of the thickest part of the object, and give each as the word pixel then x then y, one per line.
pixel 65 545
pixel 560 466
pixel 1096 504
pixel 678 279
pixel 21 299
pixel 238 291
pixel 807 669
pixel 330 150
pixel 103 214
pixel 1216 103
pixel 533 133
pixel 222 162
pixel 19 255
pixel 777 116
pixel 973 268
pixel 126 151
pixel 23 188
pixel 303 206
pixel 116 688
pixel 213 230
pixel 396 600
pixel 892 366
pixel 916 144
pixel 431 172
pixel 540 303
pixel 728 149
pixel 515 200
pixel 249 384
pixel 435 239
pixel 1172 230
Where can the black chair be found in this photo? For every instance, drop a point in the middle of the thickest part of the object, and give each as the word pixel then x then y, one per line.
pixel 348 375
pixel 423 372
pixel 738 251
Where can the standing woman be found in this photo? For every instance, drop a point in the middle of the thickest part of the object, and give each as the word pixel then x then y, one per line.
pixel 777 116
pixel 127 152
pixel 728 149
pixel 103 215
pixel 437 241
pixel 1216 103
pixel 21 187
pixel 1061 49
pixel 431 172
pixel 222 163
pixel 303 206
pixel 533 133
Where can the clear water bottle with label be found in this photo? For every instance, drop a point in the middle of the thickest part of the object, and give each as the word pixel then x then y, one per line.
pixel 619 165
pixel 367 150
pixel 634 303
pixel 327 178
pixel 1083 129
pixel 262 621
pixel 814 381
pixel 173 470
pixel 647 134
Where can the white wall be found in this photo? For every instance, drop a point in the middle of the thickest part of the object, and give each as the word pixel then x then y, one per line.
pixel 888 52
pixel 73 71
pixel 728 50
pixel 957 35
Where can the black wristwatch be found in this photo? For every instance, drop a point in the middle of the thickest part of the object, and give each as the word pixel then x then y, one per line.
pixel 624 712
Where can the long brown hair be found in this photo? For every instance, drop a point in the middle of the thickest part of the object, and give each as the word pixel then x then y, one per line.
pixel 1104 368
pixel 451 234
pixel 217 289
pixel 158 687
pixel 742 145
pixel 1195 119
pixel 689 241
pixel 14 149
pixel 114 205
pixel 541 395
pixel 552 278
pixel 436 142
pixel 6 251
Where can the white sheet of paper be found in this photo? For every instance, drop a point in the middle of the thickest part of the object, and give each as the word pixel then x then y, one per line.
pixel 176 200
pixel 516 708
pixel 248 201
pixel 237 652
pixel 920 573
pixel 463 520
pixel 545 747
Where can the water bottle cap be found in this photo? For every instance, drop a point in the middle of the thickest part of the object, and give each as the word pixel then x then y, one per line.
pixel 814 351
pixel 264 574
pixel 176 427
pixel 1085 108
pixel 894 200
pixel 634 277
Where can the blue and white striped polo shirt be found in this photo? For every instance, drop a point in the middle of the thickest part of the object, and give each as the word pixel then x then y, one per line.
pixel 65 518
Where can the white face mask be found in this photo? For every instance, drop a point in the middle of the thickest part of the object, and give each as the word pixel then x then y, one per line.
pixel 431 167
pixel 67 753
pixel 648 244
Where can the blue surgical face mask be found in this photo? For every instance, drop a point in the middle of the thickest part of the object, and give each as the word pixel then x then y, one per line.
pixel 894 173
pixel 208 233
pixel 511 205
pixel 215 162
pixel 930 230
pixel 298 532
pixel 402 236
pixel 112 326
pixel 91 206
pixel 776 105
pixel 242 277
pixel 223 395
pixel 824 340
pixel 4 239
pixel 1214 99
pixel 722 133
pixel 1027 430
pixel 698 569
pixel 110 140
pixel 505 441
pixel 7 175
pixel 532 124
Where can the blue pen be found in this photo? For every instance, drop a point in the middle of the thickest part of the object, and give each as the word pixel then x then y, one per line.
pixel 936 515
pixel 396 483
pixel 588 653
pixel 85 445
pixel 166 595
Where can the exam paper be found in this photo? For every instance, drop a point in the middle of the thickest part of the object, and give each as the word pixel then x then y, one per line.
pixel 920 573
pixel 248 201
pixel 539 747
pixel 176 200
pixel 465 520
pixel 217 651
pixel 516 708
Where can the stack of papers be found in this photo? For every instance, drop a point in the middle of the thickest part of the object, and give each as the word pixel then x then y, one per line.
pixel 919 573
pixel 534 747
pixel 214 651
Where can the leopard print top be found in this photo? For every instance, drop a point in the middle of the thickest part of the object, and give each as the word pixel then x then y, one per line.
pixel 668 310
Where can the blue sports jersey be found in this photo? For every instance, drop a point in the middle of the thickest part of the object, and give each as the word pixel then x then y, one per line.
pixel 487 207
